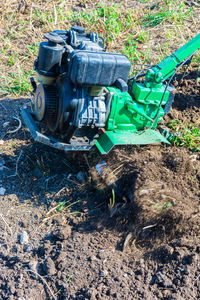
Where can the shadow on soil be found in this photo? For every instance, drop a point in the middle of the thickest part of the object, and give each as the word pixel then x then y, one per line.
pixel 50 177
pixel 188 91
pixel 47 177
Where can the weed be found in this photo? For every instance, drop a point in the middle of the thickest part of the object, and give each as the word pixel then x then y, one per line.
pixel 174 11
pixel 33 49
pixel 113 198
pixel 173 123
pixel 188 136
pixel 131 48
pixel 39 164
pixel 62 205
pixel 68 279
pixel 16 83
pixel 162 206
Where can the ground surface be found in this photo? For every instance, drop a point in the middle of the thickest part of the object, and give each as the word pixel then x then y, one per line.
pixel 141 244
pixel 65 232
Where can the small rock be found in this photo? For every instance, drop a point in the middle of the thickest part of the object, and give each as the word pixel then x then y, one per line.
pixel 11 287
pixel 166 294
pixel 23 224
pixel 23 239
pixel 49 266
pixel 20 294
pixel 162 280
pixel 59 220
pixel 193 157
pixel 62 233
pixel 92 258
pixel 2 191
pixel 34 265
pixel 176 281
pixel 80 176
pixel 103 273
pixel 1 142
pixel 143 192
pixel 28 248
pixel 47 244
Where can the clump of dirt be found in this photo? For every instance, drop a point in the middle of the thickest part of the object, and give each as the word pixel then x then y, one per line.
pixel 159 194
pixel 132 233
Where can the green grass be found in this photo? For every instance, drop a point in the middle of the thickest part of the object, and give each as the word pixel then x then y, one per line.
pixel 174 11
pixel 62 205
pixel 110 21
pixel 185 135
pixel 125 30
pixel 16 83
pixel 162 206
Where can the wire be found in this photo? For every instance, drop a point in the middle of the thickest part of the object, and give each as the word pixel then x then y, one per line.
pixel 140 73
pixel 143 70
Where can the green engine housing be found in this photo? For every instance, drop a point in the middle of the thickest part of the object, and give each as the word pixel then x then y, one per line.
pixel 133 120
pixel 136 112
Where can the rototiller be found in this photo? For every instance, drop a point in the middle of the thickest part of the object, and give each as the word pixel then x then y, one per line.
pixel 85 97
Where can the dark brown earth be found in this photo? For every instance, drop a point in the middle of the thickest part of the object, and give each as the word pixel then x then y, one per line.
pixel 139 241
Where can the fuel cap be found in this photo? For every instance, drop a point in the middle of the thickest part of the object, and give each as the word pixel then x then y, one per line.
pixel 53 37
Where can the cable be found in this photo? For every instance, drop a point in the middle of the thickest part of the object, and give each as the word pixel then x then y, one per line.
pixel 140 73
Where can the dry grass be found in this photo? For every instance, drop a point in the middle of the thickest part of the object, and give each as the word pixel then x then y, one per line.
pixel 143 31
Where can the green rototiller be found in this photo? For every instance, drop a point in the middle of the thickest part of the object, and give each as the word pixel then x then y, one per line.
pixel 85 97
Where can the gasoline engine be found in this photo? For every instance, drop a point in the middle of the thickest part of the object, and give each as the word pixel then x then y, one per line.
pixel 84 95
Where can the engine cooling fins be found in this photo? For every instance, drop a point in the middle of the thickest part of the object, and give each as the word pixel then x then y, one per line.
pixel 51 116
pixel 46 105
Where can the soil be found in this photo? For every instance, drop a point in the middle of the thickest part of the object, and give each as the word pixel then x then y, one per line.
pixel 68 233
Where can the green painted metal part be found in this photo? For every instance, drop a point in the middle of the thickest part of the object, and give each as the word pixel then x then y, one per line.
pixel 111 138
pixel 161 72
pixel 133 117
pixel 128 118
pixel 128 113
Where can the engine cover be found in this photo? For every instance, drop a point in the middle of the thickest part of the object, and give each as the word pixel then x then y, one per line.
pixel 98 68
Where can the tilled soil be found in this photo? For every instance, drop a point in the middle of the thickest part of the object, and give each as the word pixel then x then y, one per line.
pixel 67 233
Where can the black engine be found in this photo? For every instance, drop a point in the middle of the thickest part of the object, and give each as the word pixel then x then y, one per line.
pixel 74 71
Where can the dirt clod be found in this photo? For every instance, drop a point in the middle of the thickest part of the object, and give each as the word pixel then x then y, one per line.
pixel 49 267
pixel 62 233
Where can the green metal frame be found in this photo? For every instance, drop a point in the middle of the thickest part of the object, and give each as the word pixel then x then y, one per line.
pixel 133 117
